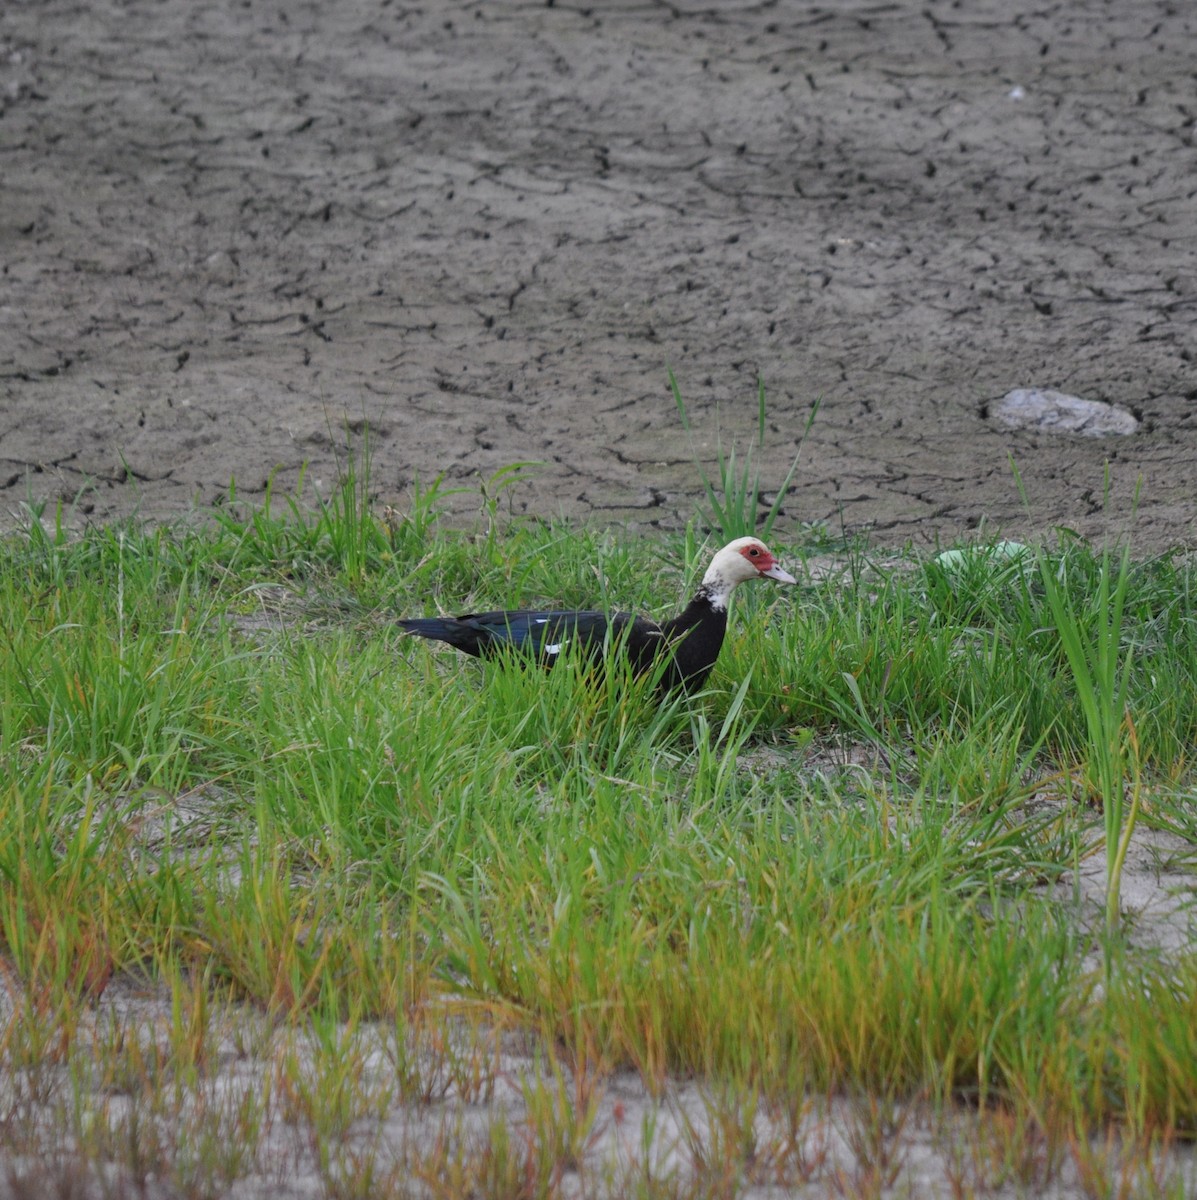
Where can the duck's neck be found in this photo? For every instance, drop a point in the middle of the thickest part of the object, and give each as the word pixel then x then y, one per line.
pixel 694 638
pixel 716 590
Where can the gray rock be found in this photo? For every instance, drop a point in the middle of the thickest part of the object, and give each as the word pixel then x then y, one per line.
pixel 1042 408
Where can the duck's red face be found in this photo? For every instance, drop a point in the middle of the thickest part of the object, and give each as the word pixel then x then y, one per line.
pixel 758 557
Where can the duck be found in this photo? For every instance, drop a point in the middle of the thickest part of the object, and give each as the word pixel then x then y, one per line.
pixel 690 642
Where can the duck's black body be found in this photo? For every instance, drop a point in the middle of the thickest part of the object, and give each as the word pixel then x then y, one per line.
pixel 690 642
pixel 693 638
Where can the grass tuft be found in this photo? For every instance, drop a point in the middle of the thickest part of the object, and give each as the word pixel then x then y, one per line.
pixel 735 501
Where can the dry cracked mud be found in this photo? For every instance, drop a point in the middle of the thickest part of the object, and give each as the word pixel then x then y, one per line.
pixel 231 231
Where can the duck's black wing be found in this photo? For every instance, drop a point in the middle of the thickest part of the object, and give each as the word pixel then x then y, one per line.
pixel 540 634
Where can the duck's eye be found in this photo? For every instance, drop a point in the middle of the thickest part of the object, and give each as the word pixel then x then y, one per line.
pixel 755 551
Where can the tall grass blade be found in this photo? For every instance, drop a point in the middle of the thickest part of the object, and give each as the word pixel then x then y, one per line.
pixel 1090 632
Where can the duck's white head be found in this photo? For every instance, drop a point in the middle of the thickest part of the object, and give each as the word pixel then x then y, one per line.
pixel 739 561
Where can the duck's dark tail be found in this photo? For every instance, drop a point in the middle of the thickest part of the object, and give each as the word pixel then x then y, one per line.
pixel 444 629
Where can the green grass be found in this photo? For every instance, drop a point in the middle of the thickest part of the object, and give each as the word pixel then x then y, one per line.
pixel 837 872
pixel 735 501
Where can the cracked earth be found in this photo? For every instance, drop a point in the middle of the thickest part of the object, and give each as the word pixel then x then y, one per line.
pixel 228 231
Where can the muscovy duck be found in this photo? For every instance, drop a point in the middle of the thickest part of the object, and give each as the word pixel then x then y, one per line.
pixel 692 639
